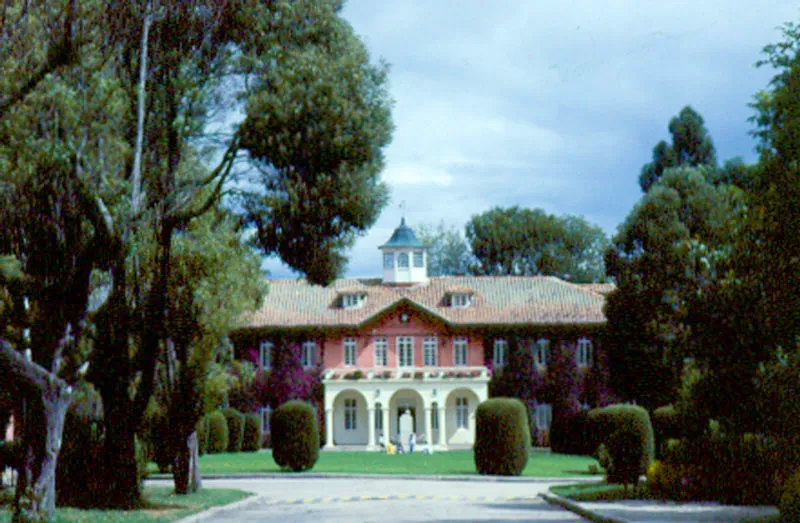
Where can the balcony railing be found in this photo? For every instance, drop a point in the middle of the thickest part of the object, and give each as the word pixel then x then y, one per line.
pixel 415 373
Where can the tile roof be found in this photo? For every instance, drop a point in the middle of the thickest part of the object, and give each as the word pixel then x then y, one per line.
pixel 599 288
pixel 500 300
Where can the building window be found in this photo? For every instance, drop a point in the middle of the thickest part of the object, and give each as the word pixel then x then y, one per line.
pixel 430 352
pixel 352 301
pixel 543 416
pixel 378 417
pixel 309 354
pixel 266 412
pixel 435 416
pixel 349 414
pixel 381 346
pixel 388 260
pixel 541 352
pixel 419 259
pixel 499 357
pixel 584 353
pixel 462 413
pixel 460 301
pixel 402 260
pixel 265 355
pixel 405 351
pixel 350 351
pixel 460 351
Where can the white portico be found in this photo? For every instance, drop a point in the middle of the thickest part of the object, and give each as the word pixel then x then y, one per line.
pixel 441 404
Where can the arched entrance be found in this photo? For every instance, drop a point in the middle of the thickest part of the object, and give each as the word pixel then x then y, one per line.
pixel 350 418
pixel 460 417
pixel 406 401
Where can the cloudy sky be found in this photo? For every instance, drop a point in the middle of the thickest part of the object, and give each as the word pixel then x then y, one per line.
pixel 549 104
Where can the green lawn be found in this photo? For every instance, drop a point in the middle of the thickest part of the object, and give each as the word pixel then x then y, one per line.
pixel 162 505
pixel 600 491
pixel 540 464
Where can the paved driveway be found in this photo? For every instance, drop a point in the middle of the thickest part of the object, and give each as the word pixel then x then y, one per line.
pixel 382 500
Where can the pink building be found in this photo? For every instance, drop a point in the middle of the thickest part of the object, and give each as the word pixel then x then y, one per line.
pixel 426 347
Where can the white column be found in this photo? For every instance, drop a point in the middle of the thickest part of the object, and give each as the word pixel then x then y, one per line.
pixel 387 435
pixel 371 428
pixel 428 427
pixel 442 428
pixel 329 429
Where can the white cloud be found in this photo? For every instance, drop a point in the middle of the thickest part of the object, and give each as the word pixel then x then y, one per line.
pixel 552 104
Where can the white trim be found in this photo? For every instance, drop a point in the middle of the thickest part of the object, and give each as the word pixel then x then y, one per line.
pixel 350 414
pixel 381 351
pixel 543 415
pixel 265 355
pixel 350 347
pixel 309 354
pixel 430 347
pixel 460 301
pixel 541 353
pixel 500 352
pixel 461 344
pixel 462 413
pixel 583 354
pixel 405 362
pixel 402 261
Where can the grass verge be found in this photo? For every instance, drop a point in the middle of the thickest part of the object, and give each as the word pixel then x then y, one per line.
pixel 600 491
pixel 160 505
pixel 456 462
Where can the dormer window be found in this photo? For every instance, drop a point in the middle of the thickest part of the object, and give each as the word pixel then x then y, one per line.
pixel 353 301
pixel 460 301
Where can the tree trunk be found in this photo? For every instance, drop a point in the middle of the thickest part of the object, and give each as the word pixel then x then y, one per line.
pixel 186 471
pixel 42 429
pixel 121 472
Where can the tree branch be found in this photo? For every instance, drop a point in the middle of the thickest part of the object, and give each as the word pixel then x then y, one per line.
pixel 60 54
pixel 136 177
pixel 221 173
pixel 21 369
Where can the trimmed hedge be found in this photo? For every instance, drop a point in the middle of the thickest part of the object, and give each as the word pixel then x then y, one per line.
pixel 502 437
pixel 627 432
pixel 740 470
pixel 235 421
pixel 251 440
pixel 295 436
pixel 217 433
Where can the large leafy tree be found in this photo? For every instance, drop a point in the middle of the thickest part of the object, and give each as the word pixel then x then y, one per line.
pixel 517 241
pixel 448 253
pixel 753 317
pixel 666 258
pixel 112 139
pixel 215 279
pixel 691 146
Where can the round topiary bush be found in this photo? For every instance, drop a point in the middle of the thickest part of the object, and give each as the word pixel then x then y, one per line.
pixel 627 432
pixel 502 437
pixel 251 440
pixel 295 436
pixel 235 421
pixel 217 433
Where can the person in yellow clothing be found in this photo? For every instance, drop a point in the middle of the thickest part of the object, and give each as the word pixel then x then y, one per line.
pixel 390 449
